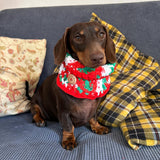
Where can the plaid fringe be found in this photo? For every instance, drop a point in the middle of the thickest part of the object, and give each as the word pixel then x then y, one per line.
pixel 130 103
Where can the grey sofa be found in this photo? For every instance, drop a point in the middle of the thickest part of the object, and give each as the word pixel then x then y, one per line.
pixel 20 139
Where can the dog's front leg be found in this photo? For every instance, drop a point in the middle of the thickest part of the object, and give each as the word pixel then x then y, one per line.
pixel 68 140
pixel 97 128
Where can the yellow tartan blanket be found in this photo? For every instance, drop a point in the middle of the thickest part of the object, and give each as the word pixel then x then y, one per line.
pixel 130 103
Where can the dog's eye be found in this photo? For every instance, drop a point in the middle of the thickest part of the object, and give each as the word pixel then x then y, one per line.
pixel 78 37
pixel 101 34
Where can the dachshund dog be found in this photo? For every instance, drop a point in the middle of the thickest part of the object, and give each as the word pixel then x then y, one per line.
pixel 90 44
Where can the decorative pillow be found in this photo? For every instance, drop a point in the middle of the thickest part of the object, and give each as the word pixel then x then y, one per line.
pixel 21 60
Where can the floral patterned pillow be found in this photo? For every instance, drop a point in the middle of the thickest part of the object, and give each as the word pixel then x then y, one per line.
pixel 21 60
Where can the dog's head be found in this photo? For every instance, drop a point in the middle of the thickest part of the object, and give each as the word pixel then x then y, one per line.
pixel 88 43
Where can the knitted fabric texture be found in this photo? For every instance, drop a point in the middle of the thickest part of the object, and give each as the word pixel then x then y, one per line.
pixel 84 82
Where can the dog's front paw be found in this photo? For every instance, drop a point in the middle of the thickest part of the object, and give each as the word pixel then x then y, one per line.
pixel 69 144
pixel 100 129
pixel 97 128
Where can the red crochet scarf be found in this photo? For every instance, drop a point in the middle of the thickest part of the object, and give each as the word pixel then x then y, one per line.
pixel 84 82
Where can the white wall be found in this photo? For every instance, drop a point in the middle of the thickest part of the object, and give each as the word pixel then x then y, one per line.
pixel 6 4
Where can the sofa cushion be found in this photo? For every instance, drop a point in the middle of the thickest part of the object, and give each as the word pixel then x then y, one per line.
pixel 20 61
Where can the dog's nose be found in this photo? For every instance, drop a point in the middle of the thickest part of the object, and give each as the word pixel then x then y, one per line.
pixel 97 58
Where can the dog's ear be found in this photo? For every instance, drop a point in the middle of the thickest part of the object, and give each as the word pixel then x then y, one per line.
pixel 110 49
pixel 60 48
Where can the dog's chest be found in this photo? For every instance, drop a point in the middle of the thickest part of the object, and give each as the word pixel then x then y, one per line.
pixel 82 112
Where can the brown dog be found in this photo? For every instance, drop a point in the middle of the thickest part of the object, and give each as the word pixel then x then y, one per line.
pixel 90 44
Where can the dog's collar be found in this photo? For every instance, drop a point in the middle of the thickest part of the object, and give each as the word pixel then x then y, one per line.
pixel 84 82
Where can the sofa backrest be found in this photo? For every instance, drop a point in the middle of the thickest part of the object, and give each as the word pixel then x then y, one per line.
pixel 139 22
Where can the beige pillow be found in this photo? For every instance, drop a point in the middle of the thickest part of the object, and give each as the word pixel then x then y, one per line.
pixel 21 60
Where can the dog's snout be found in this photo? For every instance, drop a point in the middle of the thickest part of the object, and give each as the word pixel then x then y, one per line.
pixel 97 58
